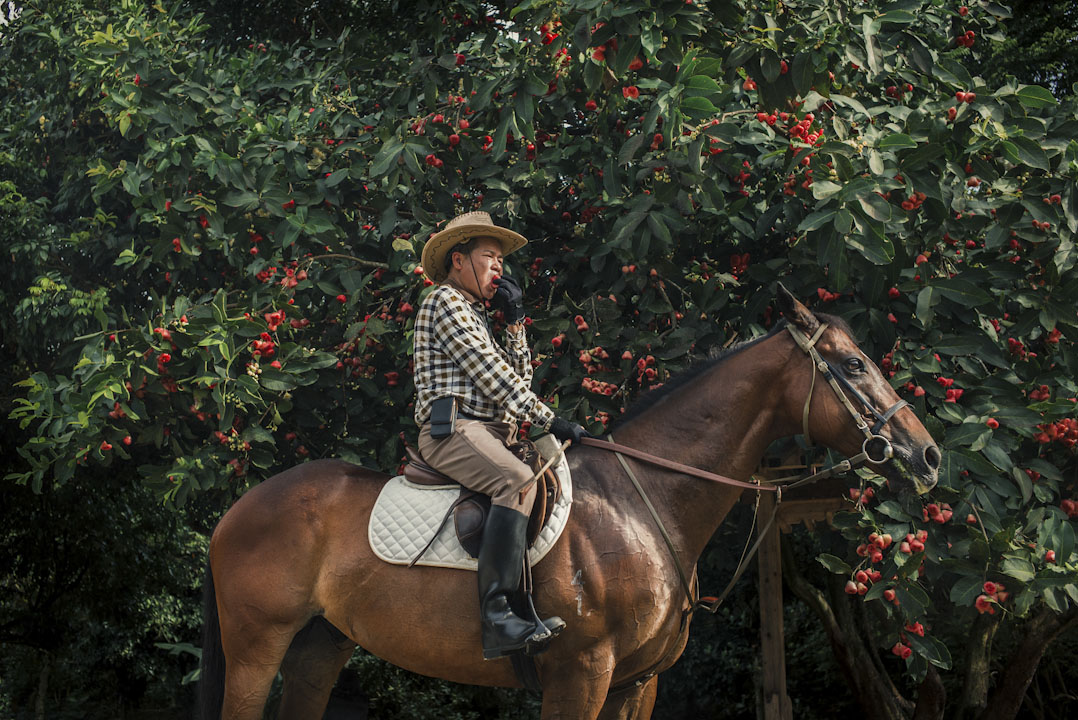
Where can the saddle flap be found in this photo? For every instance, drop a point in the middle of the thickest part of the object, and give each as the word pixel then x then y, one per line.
pixel 417 471
pixel 469 511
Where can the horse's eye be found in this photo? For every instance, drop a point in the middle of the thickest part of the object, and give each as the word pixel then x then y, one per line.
pixel 854 365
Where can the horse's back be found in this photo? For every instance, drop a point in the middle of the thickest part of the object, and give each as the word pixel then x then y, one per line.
pixel 279 533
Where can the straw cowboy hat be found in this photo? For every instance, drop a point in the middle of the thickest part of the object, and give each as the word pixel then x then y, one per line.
pixel 460 229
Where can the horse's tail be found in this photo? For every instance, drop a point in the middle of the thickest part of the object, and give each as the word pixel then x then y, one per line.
pixel 211 681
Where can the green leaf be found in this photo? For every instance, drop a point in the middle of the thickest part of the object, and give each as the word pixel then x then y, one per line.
pixel 816 220
pixel 965 590
pixel 892 509
pixel 897 141
pixel 963 292
pixel 337 177
pixel 873 245
pixel 927 298
pixel 1030 153
pixel 823 189
pixel 834 564
pixel 245 199
pixel 1019 568
pixel 629 149
pixel 698 107
pixel 931 649
pixel 875 207
pixel 1034 96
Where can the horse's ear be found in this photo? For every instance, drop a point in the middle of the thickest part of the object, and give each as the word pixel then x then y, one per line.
pixel 795 312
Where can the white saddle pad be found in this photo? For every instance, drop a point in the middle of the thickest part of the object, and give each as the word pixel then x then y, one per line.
pixel 406 515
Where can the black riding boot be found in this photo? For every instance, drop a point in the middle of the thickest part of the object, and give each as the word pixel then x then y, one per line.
pixel 501 561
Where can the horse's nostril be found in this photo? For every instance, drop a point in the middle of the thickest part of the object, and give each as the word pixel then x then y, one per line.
pixel 933 457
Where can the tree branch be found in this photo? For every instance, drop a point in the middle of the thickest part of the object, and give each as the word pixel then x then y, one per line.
pixel 1018 672
pixel 878 697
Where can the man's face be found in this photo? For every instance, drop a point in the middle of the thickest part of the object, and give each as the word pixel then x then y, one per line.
pixel 486 259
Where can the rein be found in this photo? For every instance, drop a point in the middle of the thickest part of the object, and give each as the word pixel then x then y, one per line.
pixel 876 449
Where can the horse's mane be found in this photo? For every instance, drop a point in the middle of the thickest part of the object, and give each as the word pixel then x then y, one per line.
pixel 708 361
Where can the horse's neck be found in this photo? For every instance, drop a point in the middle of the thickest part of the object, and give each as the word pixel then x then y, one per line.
pixel 721 421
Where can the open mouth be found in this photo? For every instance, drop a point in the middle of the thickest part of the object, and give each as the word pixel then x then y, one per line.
pixel 903 475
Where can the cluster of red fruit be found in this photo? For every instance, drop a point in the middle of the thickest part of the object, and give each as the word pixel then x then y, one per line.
pixel 1040 394
pixel 994 594
pixel 263 346
pixel 1064 431
pixel 1044 226
pixel 739 263
pixel 598 386
pixel 547 32
pixel 1055 199
pixel 645 368
pixel 274 319
pixel 940 513
pixel 826 295
pixel 966 39
pixel 859 584
pixel 896 92
pixel 913 543
pixel 873 549
pixel 966 97
pixel 914 201
pixel 1070 507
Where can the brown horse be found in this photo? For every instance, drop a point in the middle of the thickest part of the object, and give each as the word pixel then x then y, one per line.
pixel 297 587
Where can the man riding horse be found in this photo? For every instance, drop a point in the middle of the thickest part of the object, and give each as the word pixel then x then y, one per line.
pixel 472 393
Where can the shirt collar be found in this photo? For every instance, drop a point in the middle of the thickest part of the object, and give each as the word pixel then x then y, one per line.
pixel 472 299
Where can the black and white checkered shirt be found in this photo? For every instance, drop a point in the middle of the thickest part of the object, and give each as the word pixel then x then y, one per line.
pixel 455 354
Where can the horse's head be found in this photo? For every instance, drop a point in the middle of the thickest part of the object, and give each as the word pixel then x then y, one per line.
pixel 912 463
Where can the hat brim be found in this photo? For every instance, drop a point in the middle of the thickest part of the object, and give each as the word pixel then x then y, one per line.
pixel 440 243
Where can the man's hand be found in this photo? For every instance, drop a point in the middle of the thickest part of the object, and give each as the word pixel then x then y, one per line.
pixel 509 299
pixel 565 430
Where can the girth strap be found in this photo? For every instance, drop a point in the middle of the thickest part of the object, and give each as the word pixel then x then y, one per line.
pixel 659 523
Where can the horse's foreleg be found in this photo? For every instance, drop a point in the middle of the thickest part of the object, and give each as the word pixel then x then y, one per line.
pixel 310 669
pixel 634 703
pixel 574 690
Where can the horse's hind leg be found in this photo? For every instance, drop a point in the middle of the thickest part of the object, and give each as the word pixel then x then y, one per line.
pixel 310 668
pixel 250 667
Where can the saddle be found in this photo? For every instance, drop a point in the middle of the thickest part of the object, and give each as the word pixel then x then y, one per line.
pixel 469 511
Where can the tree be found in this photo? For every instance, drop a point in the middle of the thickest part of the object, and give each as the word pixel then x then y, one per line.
pixel 225 259
pixel 1037 46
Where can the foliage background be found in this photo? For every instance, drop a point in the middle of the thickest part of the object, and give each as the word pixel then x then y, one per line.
pixel 213 220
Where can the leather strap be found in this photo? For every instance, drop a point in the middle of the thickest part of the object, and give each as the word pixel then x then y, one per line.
pixel 658 521
pixel 671 465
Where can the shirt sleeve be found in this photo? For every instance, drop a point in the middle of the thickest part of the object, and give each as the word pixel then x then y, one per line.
pixel 470 346
pixel 518 352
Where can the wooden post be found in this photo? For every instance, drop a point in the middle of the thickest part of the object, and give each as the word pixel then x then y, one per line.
pixel 769 562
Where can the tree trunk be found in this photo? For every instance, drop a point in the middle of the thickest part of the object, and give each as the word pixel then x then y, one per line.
pixel 931 697
pixel 42 688
pixel 1037 634
pixel 875 693
pixel 974 695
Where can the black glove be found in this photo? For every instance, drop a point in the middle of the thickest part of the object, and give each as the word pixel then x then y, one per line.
pixel 509 299
pixel 565 430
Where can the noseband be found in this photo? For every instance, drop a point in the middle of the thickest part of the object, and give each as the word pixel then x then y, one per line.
pixel 876 448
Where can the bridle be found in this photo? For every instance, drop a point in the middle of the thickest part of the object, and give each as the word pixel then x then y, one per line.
pixel 876 449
